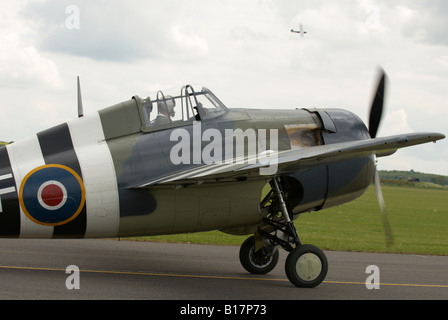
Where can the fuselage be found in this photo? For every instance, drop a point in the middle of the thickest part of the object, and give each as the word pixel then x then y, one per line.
pixel 86 178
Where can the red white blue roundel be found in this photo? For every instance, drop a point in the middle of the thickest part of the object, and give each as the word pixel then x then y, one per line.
pixel 52 195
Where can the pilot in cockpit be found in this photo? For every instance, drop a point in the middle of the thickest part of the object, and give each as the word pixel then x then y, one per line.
pixel 166 111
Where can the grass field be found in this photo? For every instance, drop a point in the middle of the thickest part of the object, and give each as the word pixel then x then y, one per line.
pixel 418 216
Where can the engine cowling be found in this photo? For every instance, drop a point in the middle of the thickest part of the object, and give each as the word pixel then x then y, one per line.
pixel 336 183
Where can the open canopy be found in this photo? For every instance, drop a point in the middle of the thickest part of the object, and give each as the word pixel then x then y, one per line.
pixel 167 109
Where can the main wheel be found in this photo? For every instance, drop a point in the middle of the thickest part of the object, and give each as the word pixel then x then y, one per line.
pixel 260 262
pixel 306 266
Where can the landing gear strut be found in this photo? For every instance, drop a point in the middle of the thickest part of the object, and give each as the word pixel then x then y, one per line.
pixel 306 265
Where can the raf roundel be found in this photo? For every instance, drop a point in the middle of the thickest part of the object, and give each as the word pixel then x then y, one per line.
pixel 52 195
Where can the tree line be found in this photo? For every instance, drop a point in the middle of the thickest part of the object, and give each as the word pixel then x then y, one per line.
pixel 414 176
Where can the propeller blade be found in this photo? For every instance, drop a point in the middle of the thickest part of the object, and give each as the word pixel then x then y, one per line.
pixel 376 111
pixel 386 224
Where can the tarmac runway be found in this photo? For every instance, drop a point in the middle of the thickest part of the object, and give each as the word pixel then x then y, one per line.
pixel 123 270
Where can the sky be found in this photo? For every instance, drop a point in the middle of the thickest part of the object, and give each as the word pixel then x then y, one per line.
pixel 242 50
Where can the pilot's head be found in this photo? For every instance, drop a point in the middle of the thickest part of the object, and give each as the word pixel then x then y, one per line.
pixel 166 106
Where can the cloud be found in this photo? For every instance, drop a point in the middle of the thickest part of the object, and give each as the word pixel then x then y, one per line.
pixel 20 62
pixel 395 122
pixel 417 20
pixel 424 22
pixel 113 30
pixel 242 50
pixel 23 65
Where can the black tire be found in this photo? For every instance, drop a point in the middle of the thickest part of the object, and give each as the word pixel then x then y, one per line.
pixel 261 262
pixel 306 266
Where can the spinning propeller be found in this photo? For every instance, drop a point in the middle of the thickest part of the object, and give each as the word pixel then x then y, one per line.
pixel 376 112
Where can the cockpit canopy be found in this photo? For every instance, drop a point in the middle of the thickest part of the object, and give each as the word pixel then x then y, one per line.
pixel 168 109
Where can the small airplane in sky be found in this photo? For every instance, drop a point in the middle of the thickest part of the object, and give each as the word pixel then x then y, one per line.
pixel 183 162
pixel 300 31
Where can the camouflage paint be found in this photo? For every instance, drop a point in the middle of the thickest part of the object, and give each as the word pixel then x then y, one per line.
pixel 132 188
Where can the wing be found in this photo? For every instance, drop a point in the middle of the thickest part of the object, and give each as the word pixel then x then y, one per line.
pixel 278 163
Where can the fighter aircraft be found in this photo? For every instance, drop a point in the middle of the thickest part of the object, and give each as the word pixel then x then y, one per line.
pixel 300 31
pixel 183 162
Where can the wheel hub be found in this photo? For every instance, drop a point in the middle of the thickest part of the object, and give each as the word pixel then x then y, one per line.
pixel 260 258
pixel 308 266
